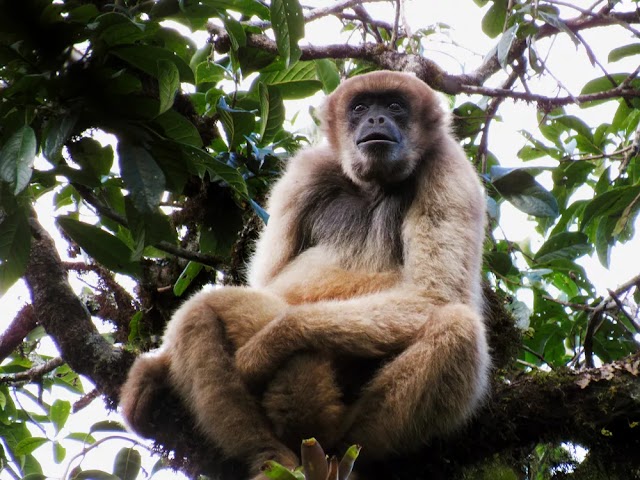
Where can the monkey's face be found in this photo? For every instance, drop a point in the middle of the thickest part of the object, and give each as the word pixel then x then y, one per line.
pixel 377 124
pixel 381 125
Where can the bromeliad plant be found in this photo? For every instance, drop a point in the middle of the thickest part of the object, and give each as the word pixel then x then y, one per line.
pixel 315 464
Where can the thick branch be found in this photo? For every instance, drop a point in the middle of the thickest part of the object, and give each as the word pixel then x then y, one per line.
pixel 595 408
pixel 66 319
pixel 20 326
pixel 429 71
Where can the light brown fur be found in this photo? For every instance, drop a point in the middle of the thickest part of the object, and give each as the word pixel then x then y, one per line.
pixel 331 287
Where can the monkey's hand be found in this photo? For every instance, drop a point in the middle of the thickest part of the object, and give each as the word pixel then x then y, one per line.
pixel 259 358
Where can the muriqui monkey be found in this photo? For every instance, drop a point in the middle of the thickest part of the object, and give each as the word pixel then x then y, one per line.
pixel 371 257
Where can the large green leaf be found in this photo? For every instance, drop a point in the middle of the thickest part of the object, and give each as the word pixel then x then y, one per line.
pixel 187 276
pixel 237 123
pixel 623 52
pixel 127 463
pixel 16 158
pixel 15 244
pixel 612 202
pixel 287 22
pixel 29 444
pixel 148 228
pixel 95 475
pixel 209 72
pixel 141 174
pixel 493 20
pixel 56 134
pixel 105 248
pixel 168 83
pixel 178 128
pixel 522 190
pixel 59 413
pixel 146 58
pixel 272 113
pixel 299 81
pixel 327 72
pixel 565 245
pixel 94 159
pixel 504 45
pixel 205 163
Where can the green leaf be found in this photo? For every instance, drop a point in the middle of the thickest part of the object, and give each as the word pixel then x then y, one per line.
pixel 555 21
pixel 81 437
pixel 59 452
pixel 493 20
pixel 327 72
pixel 92 157
pixel 499 262
pixel 57 132
pixel 59 413
pixel 612 202
pixel 16 158
pixel 126 465
pixel 601 84
pixel 148 228
pixel 28 445
pixel 146 58
pixel 168 83
pixel 209 72
pixel 105 248
pixel 107 426
pixel 623 52
pixel 178 128
pixel 603 239
pixel 236 32
pixel 141 174
pixel 15 245
pixel 299 81
pixel 287 22
pixel 236 123
pixel 272 113
pixel 565 245
pixel 504 45
pixel 190 272
pixel 205 163
pixel 95 475
pixel 522 190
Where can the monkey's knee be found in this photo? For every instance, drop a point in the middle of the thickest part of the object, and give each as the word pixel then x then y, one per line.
pixel 143 391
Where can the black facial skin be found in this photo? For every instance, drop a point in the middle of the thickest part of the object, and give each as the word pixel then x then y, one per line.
pixel 378 123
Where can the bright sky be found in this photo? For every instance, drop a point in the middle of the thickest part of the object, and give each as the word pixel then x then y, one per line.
pixel 566 62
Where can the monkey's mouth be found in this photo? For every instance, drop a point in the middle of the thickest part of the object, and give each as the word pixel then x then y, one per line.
pixel 376 138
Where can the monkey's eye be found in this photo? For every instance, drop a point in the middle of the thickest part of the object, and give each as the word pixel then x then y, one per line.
pixel 395 107
pixel 360 108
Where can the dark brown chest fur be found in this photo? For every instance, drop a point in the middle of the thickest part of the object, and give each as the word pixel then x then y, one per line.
pixel 364 223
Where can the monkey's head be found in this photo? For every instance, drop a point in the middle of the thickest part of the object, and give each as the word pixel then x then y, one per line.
pixel 382 124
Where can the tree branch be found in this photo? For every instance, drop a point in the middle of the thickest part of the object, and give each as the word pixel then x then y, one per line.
pixel 431 73
pixel 66 319
pixel 20 326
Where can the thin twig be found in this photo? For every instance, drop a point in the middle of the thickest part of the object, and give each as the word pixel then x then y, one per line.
pixel 104 210
pixel 596 317
pixel 33 373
